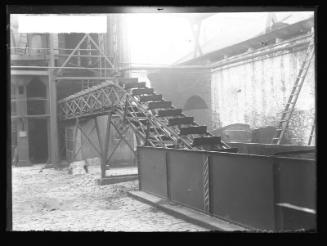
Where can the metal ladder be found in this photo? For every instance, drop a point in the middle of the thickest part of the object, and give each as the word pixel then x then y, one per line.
pixel 311 133
pixel 289 108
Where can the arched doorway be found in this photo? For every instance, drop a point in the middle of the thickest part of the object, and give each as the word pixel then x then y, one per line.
pixel 37 126
pixel 196 107
pixel 195 102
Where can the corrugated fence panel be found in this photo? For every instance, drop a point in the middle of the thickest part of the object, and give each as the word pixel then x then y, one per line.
pixel 152 171
pixel 185 178
pixel 242 189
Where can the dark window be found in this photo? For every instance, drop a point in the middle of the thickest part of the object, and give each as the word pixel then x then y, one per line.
pixel 13 108
pixel 21 90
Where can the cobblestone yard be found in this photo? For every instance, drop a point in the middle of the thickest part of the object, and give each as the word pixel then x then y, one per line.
pixel 58 201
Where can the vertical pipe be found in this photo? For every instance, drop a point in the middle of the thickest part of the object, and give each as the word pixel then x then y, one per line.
pixel 206 190
pixel 54 151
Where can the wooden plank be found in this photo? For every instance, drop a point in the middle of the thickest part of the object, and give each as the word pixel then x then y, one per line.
pixel 193 130
pixel 179 121
pixel 90 141
pixel 150 98
pixel 169 112
pixel 162 104
pixel 142 91
pixel 206 141
pixel 107 137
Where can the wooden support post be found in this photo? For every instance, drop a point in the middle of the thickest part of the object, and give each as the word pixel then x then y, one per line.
pixel 98 133
pixel 52 93
pixel 106 145
pixel 74 138
pixel 102 157
pixel 147 133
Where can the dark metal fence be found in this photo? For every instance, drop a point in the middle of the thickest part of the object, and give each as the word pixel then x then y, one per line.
pixel 259 192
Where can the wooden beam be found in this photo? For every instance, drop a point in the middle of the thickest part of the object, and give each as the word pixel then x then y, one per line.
pixel 72 53
pixel 95 44
pixel 122 136
pixel 29 72
pixel 116 146
pixel 53 122
pixel 98 133
pixel 106 144
pixel 90 141
pixel 81 78
pixel 74 138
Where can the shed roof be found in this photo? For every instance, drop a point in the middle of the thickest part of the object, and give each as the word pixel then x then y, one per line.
pixel 283 33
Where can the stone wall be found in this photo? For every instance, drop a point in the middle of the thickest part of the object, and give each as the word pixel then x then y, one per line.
pixel 255 92
pixel 180 85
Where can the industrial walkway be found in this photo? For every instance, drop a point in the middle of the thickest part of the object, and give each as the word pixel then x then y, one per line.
pixel 57 201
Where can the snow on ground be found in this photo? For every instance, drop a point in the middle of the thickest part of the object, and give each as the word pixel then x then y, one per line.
pixel 54 200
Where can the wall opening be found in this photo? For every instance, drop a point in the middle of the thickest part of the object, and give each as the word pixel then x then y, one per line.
pixel 38 140
pixel 195 102
pixel 36 95
pixel 37 127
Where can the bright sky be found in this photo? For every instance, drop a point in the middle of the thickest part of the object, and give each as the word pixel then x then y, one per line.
pixel 164 38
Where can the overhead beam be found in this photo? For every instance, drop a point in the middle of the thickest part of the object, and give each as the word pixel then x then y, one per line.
pixel 29 72
pixel 71 54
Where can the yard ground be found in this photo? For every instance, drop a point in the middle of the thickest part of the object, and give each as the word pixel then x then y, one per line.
pixel 54 200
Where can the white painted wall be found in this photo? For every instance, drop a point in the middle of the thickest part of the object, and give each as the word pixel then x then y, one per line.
pixel 256 92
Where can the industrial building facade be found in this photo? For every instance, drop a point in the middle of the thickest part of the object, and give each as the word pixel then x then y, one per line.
pixel 33 108
pixel 229 133
pixel 249 84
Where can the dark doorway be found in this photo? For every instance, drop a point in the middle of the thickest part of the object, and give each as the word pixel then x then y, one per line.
pixel 38 126
pixel 38 140
pixel 36 96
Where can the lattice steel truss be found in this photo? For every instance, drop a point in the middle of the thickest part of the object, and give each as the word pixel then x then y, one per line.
pixel 132 102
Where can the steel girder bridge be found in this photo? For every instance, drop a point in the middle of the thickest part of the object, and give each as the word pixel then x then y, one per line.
pixel 130 104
